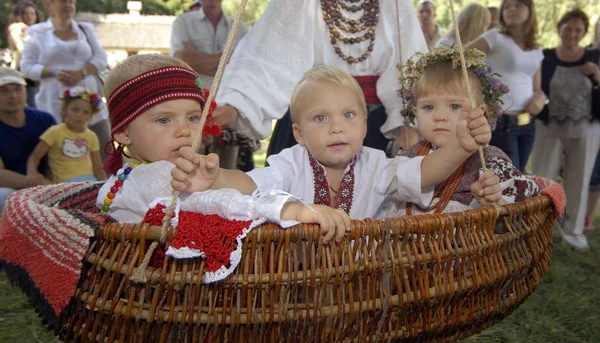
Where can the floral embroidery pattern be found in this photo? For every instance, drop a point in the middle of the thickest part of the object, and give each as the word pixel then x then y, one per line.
pixel 343 200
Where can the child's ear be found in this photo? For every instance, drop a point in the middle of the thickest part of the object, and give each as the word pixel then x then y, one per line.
pixel 122 137
pixel 298 134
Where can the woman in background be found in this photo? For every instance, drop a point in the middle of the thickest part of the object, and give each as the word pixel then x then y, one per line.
pixel 514 54
pixel 23 15
pixel 473 20
pixel 62 53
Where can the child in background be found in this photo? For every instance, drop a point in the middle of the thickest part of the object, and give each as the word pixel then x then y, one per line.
pixel 330 166
pixel 155 106
pixel 435 93
pixel 73 149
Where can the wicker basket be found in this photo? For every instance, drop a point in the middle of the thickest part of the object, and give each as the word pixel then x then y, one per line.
pixel 425 278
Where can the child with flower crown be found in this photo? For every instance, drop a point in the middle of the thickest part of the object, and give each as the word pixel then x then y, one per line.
pixel 434 91
pixel 329 165
pixel 155 106
pixel 73 149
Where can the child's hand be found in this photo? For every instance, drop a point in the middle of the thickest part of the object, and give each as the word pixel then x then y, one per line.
pixel 194 172
pixel 472 128
pixel 333 222
pixel 487 189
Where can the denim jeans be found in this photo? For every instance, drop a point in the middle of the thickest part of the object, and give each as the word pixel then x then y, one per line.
pixel 516 141
pixel 4 193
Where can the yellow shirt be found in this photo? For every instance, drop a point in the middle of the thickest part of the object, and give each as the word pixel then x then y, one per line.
pixel 69 154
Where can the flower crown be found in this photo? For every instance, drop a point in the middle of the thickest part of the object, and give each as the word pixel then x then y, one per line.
pixel 84 94
pixel 492 88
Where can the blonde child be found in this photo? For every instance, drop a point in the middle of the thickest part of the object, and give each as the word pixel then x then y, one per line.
pixel 155 107
pixel 435 92
pixel 73 149
pixel 329 166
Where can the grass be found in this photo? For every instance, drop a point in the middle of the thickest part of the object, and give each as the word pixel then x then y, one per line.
pixel 564 308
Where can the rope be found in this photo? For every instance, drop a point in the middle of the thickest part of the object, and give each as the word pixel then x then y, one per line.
pixel 461 52
pixel 139 274
pixel 400 55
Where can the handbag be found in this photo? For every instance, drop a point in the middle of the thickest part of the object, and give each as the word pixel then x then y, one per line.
pixel 100 75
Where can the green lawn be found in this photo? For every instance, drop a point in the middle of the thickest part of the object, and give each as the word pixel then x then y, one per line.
pixel 564 308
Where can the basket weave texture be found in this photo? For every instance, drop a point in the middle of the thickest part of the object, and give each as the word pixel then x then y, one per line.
pixel 432 278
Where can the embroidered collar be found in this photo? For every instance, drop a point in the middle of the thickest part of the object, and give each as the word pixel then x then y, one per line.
pixel 345 194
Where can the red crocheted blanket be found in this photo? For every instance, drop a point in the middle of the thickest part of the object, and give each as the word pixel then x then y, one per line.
pixel 45 233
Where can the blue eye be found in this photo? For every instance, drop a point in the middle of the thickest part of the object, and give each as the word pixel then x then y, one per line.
pixel 162 120
pixel 349 115
pixel 455 107
pixel 428 107
pixel 320 118
pixel 193 118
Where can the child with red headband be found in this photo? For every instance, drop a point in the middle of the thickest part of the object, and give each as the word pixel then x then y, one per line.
pixel 155 106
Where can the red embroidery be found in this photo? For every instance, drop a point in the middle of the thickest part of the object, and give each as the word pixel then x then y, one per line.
pixel 211 234
pixel 345 196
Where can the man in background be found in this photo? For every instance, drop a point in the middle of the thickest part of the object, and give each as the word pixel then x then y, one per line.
pixel 20 129
pixel 431 30
pixel 495 14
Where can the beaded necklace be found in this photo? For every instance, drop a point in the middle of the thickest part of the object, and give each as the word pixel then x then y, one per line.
pixel 117 185
pixel 445 190
pixel 338 24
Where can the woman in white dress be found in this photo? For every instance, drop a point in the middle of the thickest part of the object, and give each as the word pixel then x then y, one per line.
pixel 62 53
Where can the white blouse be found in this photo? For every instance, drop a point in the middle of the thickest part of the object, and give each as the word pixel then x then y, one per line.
pixel 380 186
pixel 148 184
pixel 44 49
pixel 516 67
pixel 290 38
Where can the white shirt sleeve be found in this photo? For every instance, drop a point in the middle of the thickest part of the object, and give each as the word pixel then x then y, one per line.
pixel 412 41
pixel 99 57
pixel 408 179
pixel 29 65
pixel 267 64
pixel 491 37
pixel 282 169
pixel 178 34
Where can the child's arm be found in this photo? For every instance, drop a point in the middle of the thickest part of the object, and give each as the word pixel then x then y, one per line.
pixel 333 222
pixel 195 173
pixel 472 131
pixel 97 166
pixel 33 162
pixel 487 189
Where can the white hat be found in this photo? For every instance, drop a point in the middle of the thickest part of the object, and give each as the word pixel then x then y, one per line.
pixel 9 75
pixel 427 2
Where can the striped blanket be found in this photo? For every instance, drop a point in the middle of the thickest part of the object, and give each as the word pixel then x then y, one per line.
pixel 45 233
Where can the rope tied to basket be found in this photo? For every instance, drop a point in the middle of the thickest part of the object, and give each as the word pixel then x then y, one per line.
pixel 463 64
pixel 140 273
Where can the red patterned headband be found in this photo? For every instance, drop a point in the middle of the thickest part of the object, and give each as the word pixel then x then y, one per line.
pixel 147 90
pixel 141 93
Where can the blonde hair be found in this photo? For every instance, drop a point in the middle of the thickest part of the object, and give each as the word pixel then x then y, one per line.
pixel 441 78
pixel 322 74
pixel 473 20
pixel 136 65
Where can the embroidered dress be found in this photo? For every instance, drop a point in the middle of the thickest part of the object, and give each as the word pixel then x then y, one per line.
pixel 515 186
pixel 201 218
pixel 372 186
